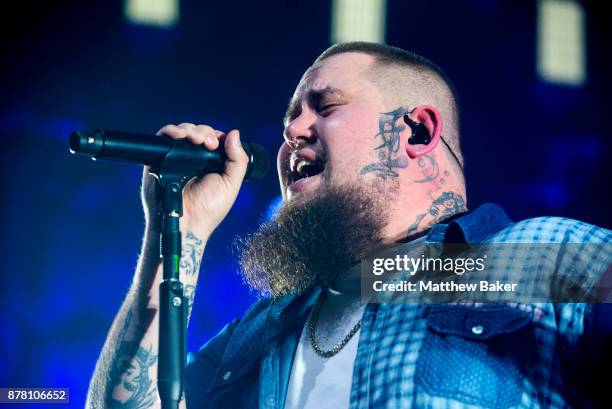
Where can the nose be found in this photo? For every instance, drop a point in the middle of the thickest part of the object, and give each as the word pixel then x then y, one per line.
pixel 300 131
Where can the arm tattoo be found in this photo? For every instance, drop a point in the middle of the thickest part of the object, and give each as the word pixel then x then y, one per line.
pixel 389 132
pixel 192 254
pixel 429 167
pixel 446 205
pixel 131 372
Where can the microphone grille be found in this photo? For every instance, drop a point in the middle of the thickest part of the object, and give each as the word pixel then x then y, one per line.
pixel 258 161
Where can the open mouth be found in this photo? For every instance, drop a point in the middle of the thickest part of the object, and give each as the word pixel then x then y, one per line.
pixel 302 169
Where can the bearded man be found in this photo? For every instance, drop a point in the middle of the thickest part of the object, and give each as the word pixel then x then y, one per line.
pixel 371 158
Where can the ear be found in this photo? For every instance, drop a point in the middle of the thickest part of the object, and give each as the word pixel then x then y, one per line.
pixel 431 119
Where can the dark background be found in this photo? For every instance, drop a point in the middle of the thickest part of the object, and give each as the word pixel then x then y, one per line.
pixel 71 228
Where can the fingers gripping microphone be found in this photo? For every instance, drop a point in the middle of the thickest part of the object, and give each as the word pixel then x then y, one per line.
pixel 152 150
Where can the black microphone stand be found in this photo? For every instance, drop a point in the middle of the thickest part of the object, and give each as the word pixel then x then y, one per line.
pixel 172 178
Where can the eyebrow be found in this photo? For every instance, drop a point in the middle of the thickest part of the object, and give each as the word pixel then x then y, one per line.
pixel 313 96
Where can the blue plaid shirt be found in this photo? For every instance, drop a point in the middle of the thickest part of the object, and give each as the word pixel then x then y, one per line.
pixel 428 356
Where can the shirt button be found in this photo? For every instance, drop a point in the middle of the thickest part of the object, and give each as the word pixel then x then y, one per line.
pixel 227 375
pixel 477 329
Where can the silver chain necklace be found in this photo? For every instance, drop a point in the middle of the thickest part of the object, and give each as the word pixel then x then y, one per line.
pixel 312 324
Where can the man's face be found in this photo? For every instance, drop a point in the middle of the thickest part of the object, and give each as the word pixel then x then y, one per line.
pixel 333 159
pixel 331 128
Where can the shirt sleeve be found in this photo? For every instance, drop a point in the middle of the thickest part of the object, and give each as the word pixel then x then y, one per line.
pixel 202 366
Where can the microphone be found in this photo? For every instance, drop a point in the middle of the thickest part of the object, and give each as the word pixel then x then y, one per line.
pixel 152 150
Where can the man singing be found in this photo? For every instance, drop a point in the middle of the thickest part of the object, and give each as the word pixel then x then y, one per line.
pixel 371 157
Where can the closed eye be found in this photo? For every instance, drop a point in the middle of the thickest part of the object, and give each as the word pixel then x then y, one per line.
pixel 326 109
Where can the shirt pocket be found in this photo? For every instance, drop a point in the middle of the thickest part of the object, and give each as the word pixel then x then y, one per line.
pixel 476 355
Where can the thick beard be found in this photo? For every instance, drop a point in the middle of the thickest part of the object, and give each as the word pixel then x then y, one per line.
pixel 314 242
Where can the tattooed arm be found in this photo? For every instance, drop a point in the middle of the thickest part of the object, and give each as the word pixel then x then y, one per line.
pixel 126 372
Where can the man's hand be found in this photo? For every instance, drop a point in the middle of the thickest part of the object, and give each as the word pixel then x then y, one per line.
pixel 207 199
